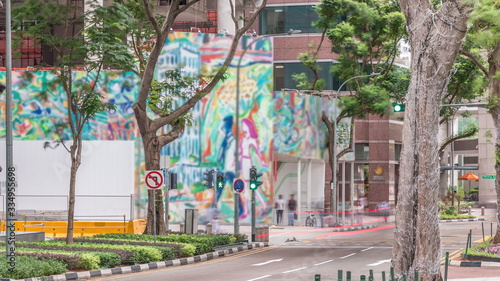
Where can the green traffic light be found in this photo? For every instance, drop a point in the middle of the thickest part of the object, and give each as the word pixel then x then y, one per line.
pixel 253 186
pixel 398 107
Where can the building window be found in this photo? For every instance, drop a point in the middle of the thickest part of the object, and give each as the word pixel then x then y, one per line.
pixel 275 20
pixel 362 151
pixel 283 75
pixel 397 151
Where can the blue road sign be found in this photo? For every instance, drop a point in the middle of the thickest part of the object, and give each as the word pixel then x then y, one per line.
pixel 239 186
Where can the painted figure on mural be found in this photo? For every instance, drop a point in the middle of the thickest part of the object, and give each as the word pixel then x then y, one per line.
pixel 227 160
pixel 249 145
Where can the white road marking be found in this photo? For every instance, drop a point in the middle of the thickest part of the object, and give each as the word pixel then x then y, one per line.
pixel 324 262
pixel 262 277
pixel 348 256
pixel 366 249
pixel 288 271
pixel 379 262
pixel 266 262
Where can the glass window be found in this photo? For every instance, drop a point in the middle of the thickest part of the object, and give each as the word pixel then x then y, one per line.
pixel 362 151
pixel 275 20
pixel 283 75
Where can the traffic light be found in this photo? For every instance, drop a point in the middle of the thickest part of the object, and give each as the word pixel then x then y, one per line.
pixel 173 180
pixel 398 107
pixel 220 180
pixel 254 176
pixel 207 176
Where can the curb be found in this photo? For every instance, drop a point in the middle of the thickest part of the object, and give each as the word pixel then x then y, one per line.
pixel 475 264
pixel 353 228
pixel 142 267
pixel 457 220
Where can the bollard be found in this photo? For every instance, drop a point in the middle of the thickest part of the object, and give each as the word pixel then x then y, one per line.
pixel 317 277
pixel 447 261
pixel 363 278
pixel 340 273
pixel 209 228
pixel 182 230
pixel 470 210
pixel 482 211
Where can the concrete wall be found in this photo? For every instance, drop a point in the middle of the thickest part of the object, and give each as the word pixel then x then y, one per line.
pixel 43 175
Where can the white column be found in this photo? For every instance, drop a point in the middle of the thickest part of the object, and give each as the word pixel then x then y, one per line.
pixel 224 19
pixel 343 193
pixel 299 191
pixel 352 191
pixel 309 185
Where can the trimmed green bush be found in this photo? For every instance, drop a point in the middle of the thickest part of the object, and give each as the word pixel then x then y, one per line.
pixel 203 243
pixel 27 267
pixel 485 249
pixel 142 254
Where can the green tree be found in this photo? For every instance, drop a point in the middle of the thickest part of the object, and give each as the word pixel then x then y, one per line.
pixel 148 38
pixel 485 36
pixel 366 36
pixel 93 46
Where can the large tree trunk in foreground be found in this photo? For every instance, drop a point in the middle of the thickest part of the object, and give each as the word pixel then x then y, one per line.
pixel 494 90
pixel 435 38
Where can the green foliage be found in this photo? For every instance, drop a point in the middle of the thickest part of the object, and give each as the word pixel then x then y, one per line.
pixel 454 216
pixel 89 261
pixel 369 99
pixel 163 94
pixel 484 249
pixel 141 254
pixel 27 267
pixel 203 243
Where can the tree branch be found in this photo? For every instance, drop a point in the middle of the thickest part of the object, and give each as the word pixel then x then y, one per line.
pixel 475 61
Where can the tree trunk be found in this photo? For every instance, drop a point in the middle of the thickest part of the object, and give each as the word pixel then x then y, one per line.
pixel 152 158
pixel 435 38
pixel 494 90
pixel 331 157
pixel 76 154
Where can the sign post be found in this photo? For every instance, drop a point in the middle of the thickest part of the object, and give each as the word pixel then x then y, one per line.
pixel 238 187
pixel 154 180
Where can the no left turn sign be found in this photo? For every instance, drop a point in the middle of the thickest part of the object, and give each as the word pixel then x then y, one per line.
pixel 154 179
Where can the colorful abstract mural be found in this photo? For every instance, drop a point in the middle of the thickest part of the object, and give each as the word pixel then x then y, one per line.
pixel 211 142
pixel 299 130
pixel 39 104
pixel 267 122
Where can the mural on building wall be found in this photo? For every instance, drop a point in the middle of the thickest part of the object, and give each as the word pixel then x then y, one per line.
pixel 299 130
pixel 211 142
pixel 39 104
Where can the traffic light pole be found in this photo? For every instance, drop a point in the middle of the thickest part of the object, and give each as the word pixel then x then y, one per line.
pixel 253 215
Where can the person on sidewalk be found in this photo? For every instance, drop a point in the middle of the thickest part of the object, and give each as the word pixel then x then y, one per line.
pixel 292 207
pixel 279 205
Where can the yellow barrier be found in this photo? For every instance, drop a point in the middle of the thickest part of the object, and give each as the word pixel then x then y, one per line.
pixel 80 228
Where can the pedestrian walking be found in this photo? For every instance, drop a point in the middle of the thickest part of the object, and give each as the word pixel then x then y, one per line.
pixel 279 205
pixel 292 208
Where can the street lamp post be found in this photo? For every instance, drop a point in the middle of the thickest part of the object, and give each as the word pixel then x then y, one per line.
pixel 334 172
pixel 237 113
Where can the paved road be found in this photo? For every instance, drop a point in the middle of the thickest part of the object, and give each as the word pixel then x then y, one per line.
pixel 299 253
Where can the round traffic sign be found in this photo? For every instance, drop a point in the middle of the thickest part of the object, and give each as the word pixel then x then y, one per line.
pixel 154 179
pixel 239 186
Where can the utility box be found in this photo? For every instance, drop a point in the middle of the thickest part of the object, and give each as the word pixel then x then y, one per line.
pixel 191 223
